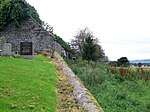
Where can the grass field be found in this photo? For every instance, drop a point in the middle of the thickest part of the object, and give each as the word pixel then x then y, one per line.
pixel 27 85
pixel 115 93
pixel 134 73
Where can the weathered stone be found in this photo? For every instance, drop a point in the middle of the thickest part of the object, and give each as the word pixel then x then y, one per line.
pixel 29 30
pixel 7 49
pixel 80 93
pixel 2 42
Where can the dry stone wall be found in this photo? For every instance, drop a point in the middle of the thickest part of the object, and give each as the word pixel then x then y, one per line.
pixel 80 93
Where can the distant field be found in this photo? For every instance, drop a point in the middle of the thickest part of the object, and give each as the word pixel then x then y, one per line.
pixel 27 85
pixel 132 72
pixel 146 68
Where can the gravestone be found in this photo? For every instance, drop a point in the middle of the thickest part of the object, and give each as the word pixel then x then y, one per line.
pixel 1 53
pixel 7 49
pixel 26 50
pixel 2 42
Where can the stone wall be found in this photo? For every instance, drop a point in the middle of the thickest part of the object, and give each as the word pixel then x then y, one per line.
pixel 30 30
pixel 83 97
pixel 58 48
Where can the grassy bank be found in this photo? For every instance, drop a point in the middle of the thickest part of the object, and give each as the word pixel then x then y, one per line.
pixel 114 92
pixel 27 85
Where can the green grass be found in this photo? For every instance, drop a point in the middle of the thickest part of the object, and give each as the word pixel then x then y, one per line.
pixel 41 58
pixel 114 92
pixel 27 85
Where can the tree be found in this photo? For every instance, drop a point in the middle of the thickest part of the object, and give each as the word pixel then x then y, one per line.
pixel 139 64
pixel 89 50
pixel 47 27
pixel 99 51
pixel 113 63
pixel 80 39
pixel 123 61
pixel 16 11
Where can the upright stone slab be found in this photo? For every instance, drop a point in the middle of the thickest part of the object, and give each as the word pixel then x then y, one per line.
pixel 2 42
pixel 1 53
pixel 7 49
pixel 26 50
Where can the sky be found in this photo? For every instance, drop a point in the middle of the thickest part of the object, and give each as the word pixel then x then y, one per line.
pixel 122 26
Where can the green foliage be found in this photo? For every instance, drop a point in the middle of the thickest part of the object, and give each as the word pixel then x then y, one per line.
pixel 62 42
pixel 114 92
pixel 15 11
pixel 131 73
pixel 79 46
pixel 89 50
pixel 27 85
pixel 41 58
pixel 99 51
pixel 123 61
pixel 139 64
pixel 113 63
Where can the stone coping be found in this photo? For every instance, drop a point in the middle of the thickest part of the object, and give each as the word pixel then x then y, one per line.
pixel 83 97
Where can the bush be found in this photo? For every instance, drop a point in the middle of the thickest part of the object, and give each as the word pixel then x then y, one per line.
pixel 115 92
pixel 16 11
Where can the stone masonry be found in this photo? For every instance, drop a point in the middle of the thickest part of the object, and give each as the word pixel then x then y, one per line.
pixel 83 97
pixel 29 30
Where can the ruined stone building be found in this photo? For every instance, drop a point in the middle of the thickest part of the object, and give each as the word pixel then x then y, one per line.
pixel 31 31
